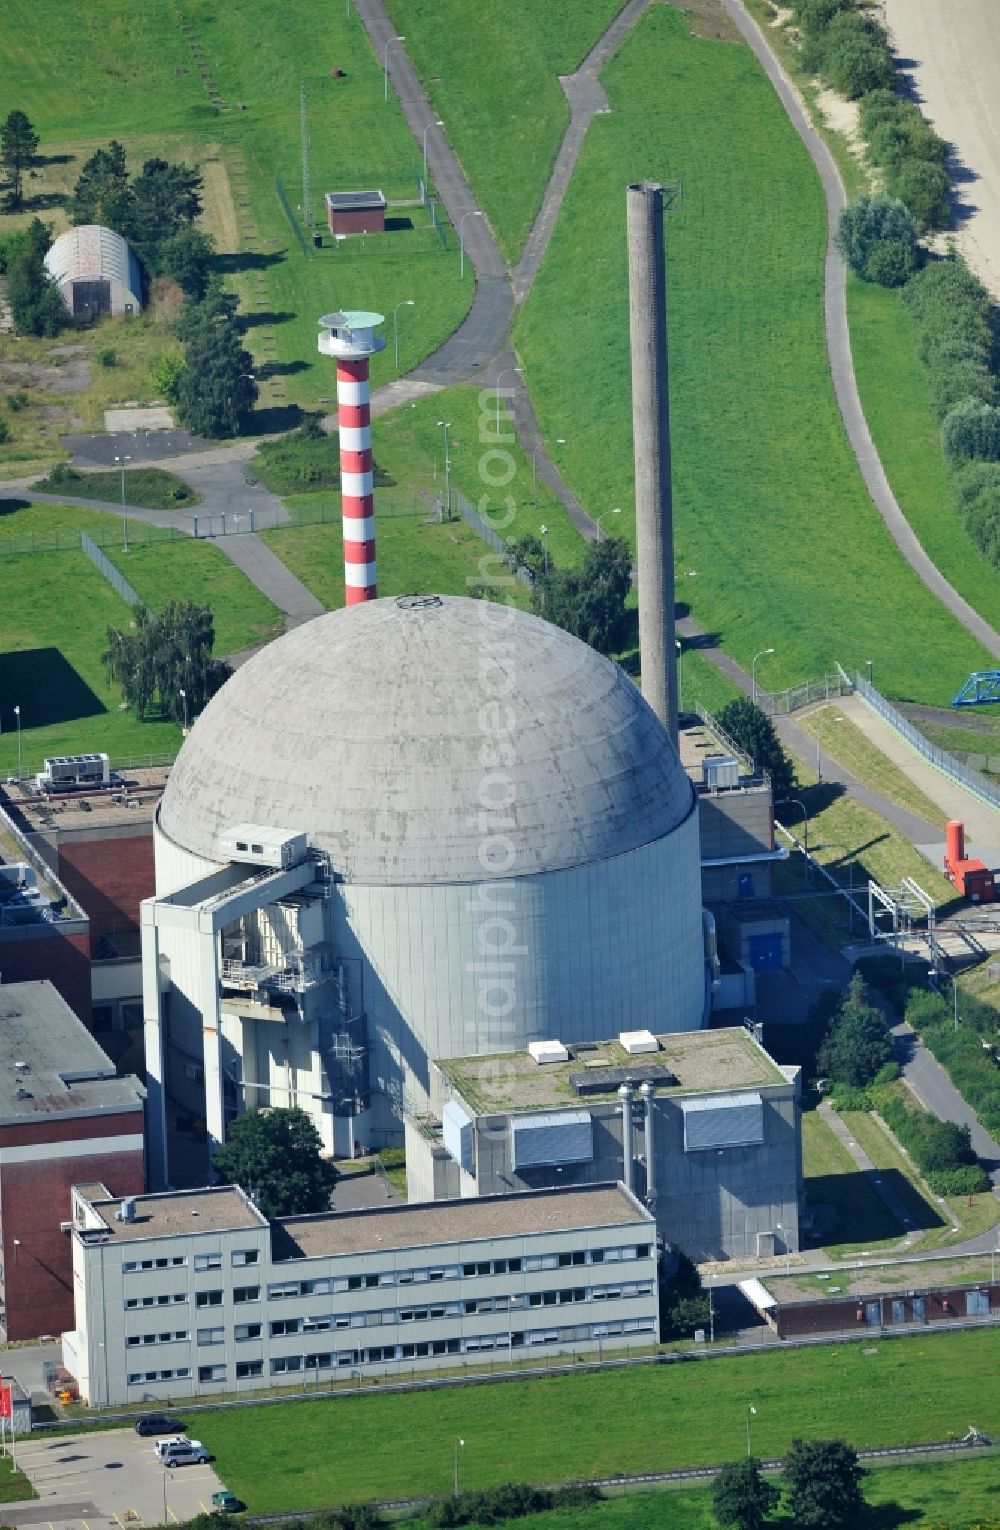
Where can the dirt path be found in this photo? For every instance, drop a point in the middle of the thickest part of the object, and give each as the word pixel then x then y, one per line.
pixel 950 51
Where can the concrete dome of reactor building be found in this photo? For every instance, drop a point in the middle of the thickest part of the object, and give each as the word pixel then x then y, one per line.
pixel 401 732
pixel 512 846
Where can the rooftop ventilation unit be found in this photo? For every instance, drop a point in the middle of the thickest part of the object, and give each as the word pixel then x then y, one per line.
pixel 548 1051
pixel 635 1042
pixel 720 770
pixel 64 772
pixel 126 1212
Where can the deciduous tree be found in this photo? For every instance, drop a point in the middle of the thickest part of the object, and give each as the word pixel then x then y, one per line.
pixel 34 298
pixel 741 1498
pixel 753 732
pixel 589 601
pixel 858 1044
pixel 277 1155
pixel 824 1485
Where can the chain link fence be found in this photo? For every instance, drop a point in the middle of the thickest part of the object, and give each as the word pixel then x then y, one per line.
pixel 780 703
pixel 113 575
pixel 987 791
pixel 140 534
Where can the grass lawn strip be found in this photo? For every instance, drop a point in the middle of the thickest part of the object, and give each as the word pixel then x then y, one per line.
pixel 201 572
pixel 832 1179
pixel 53 624
pixel 149 488
pixel 305 1455
pixel 886 1153
pixel 494 81
pixel 952 1492
pixel 14 1485
pixel 845 742
pixel 768 497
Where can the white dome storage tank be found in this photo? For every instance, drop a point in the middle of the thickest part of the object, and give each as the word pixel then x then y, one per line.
pixel 513 839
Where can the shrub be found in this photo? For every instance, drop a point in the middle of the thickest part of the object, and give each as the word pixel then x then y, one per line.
pixel 878 238
pixel 953 380
pixel 856 57
pixel 4 430
pixel 924 188
pixel 167 373
pixel 972 430
pixel 108 357
pixel 17 401
pixel 949 305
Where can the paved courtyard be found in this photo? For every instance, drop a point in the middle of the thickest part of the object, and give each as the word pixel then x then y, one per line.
pixel 106 1478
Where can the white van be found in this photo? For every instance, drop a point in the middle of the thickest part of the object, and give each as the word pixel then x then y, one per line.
pixel 185 1453
pixel 163 1444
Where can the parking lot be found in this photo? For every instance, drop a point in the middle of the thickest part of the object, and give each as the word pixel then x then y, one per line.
pixel 102 1479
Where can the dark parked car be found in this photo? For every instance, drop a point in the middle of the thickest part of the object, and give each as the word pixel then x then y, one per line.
pixel 157 1423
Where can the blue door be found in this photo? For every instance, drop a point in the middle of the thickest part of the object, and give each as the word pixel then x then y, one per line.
pixel 765 952
pixel 746 884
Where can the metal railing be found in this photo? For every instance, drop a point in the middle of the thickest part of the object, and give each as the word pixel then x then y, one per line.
pixel 140 534
pixel 780 703
pixel 113 575
pixel 483 529
pixel 987 791
pixel 727 743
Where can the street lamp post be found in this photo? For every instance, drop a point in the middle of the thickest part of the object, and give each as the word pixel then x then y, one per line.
pixel 385 65
pixel 751 1413
pixel 121 462
pixel 680 677
pixel 461 240
pixel 545 549
pixel 711 1308
pixel 617 510
pixel 184 699
pixel 458 1443
pixel 499 375
pixel 436 123
pixel 406 303
pixel 446 426
pixel 797 802
pixel 17 714
pixel 753 670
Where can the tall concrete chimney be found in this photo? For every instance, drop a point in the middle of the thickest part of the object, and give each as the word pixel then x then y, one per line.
pixel 654 531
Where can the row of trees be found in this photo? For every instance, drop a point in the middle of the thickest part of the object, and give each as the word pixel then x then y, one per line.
pixel 588 601
pixel 166 659
pixel 154 210
pixel 845 44
pixel 822 1481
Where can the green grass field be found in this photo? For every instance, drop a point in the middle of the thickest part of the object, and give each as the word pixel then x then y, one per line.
pixel 151 488
pixel 55 611
pixel 843 741
pixel 896 401
pixel 856 1215
pixel 201 572
pixel 953 1493
pixel 305 1455
pixel 770 509
pixel 138 76
pixel 493 79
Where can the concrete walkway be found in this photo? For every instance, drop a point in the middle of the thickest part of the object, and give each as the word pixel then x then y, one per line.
pixel 838 341
pixel 271 577
pixel 934 1089
pixel 586 98
pixel 484 330
pixel 864 1164
pixel 982 823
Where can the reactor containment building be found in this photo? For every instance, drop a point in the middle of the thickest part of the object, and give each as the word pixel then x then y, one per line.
pixel 426 827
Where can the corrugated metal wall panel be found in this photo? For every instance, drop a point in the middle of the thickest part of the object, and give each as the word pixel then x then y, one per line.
pixel 736 1120
pixel 456 1129
pixel 564 1136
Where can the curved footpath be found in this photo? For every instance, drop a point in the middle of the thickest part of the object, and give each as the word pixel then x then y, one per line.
pixel 838 343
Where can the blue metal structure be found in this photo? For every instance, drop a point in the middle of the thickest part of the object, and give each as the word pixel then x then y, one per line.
pixel 983 685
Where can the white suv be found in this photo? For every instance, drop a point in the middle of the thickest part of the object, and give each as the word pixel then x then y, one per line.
pixel 185 1453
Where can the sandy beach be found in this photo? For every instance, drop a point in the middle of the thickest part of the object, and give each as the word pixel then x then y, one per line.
pixel 953 49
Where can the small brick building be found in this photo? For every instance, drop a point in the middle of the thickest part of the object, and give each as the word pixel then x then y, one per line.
pixel 355 212
pixel 65 1118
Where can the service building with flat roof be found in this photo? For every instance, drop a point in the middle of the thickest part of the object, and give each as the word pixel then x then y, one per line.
pixel 703 1126
pixel 65 1116
pixel 195 1293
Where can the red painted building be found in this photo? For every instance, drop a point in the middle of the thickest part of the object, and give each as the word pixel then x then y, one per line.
pixel 355 212
pixel 66 1118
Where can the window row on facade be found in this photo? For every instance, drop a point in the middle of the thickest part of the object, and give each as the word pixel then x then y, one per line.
pixel 240 1257
pixel 381 1354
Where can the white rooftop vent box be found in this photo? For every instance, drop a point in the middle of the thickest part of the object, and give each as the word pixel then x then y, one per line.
pixel 257 844
pixel 720 770
pixel 635 1042
pixel 548 1051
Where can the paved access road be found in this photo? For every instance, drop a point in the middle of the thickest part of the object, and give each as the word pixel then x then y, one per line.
pixel 106 1475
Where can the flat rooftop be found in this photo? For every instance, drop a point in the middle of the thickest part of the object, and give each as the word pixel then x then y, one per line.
pixel 916 1275
pixel 219 1209
pixel 65 1072
pixel 697 743
pixel 464 1221
pixel 132 801
pixel 701 1061
pixel 354 201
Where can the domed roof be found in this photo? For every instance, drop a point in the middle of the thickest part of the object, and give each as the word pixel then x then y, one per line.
pixel 430 739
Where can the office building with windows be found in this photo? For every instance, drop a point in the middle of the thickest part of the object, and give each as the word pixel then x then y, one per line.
pixel 196 1293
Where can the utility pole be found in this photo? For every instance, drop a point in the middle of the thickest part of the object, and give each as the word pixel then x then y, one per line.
pixel 304 135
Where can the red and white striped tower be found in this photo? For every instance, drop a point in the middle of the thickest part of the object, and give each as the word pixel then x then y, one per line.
pixel 350 338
